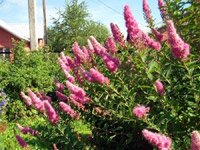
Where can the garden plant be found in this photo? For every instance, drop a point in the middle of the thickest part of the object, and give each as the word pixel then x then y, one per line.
pixel 138 92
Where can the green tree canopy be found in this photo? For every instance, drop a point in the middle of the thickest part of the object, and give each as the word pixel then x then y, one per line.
pixel 74 24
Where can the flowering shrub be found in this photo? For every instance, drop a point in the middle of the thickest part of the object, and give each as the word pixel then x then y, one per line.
pixel 136 99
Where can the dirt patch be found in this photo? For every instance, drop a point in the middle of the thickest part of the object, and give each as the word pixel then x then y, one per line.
pixel 3 127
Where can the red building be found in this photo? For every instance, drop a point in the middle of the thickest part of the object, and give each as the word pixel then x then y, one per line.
pixel 16 32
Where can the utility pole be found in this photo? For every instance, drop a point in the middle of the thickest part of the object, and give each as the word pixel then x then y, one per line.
pixel 45 21
pixel 32 24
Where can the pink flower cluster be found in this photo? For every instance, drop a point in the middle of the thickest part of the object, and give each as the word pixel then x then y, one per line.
pixel 80 55
pixel 64 98
pixel 162 142
pixel 68 76
pixel 36 101
pixel 159 87
pixel 111 62
pixel 159 36
pixel 180 49
pixel 140 111
pixel 59 86
pixel 26 130
pixel 61 96
pixel 43 97
pixel 42 103
pixel 148 17
pixel 63 65
pixel 90 47
pixel 67 109
pixel 65 62
pixel 135 33
pixel 86 75
pixel 147 11
pixel 110 45
pixel 95 76
pixel 26 99
pixel 161 6
pixel 98 48
pixel 77 104
pixel 150 42
pixel 51 113
pixel 98 77
pixel 77 93
pixel 195 141
pixel 118 36
pixel 21 142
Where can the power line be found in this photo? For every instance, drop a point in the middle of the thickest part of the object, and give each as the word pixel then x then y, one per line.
pixel 114 10
pixel 109 7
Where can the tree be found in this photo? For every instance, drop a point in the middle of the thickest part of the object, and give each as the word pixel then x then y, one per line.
pixel 72 25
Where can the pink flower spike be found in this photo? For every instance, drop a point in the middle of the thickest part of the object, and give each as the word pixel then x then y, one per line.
pixel 86 52
pixel 67 109
pixel 38 104
pixel 140 111
pixel 110 45
pixel 158 35
pixel 45 97
pixel 162 142
pixel 195 141
pixel 98 77
pixel 63 65
pixel 59 86
pixel 147 11
pixel 111 63
pixel 78 53
pixel 151 43
pixel 90 46
pixel 70 62
pixel 79 99
pixel 51 113
pixel 161 6
pixel 131 24
pixel 20 127
pixel 137 35
pixel 87 75
pixel 98 48
pixel 26 130
pixel 118 36
pixel 26 99
pixel 180 49
pixel 68 76
pixel 77 104
pixel 21 142
pixel 62 56
pixel 75 89
pixel 61 96
pixel 159 87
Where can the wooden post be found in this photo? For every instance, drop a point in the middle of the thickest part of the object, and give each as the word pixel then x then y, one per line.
pixel 45 22
pixel 32 24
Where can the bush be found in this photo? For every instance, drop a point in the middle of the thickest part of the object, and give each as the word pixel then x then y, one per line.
pixel 35 70
pixel 143 97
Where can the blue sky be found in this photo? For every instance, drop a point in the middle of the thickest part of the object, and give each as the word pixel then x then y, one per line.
pixel 104 11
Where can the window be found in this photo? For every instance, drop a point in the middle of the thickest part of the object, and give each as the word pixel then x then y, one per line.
pixel 5 53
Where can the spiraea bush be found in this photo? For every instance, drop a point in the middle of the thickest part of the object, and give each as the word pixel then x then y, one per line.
pixel 136 93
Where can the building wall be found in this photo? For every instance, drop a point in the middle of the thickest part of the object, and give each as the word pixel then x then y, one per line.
pixel 6 39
